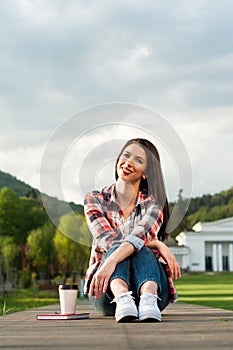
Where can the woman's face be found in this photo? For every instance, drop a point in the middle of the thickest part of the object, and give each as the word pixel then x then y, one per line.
pixel 132 163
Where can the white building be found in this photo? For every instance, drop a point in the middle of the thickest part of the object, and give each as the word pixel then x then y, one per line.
pixel 210 246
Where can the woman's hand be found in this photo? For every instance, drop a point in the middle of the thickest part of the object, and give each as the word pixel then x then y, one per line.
pixel 99 283
pixel 100 280
pixel 167 255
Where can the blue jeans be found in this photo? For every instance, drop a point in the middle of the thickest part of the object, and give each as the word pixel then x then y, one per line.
pixel 138 268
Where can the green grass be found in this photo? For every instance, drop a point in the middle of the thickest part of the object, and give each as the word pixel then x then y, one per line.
pixel 207 289
pixel 24 299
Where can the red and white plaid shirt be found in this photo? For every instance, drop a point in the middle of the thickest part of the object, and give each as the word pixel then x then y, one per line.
pixel 106 221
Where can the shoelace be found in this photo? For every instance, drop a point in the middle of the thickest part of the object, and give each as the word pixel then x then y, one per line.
pixel 123 298
pixel 149 299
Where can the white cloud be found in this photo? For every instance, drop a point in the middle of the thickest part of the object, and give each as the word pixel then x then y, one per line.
pixel 132 65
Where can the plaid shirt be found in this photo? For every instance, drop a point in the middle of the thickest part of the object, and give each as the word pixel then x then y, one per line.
pixel 105 220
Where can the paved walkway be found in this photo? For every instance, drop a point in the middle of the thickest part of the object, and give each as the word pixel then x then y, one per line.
pixel 183 327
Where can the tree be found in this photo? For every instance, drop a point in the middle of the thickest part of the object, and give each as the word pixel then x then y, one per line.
pixel 9 250
pixel 33 216
pixel 72 243
pixel 10 213
pixel 40 247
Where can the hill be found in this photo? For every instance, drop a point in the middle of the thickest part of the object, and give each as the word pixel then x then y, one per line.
pixel 20 187
pixel 57 207
pixel 210 207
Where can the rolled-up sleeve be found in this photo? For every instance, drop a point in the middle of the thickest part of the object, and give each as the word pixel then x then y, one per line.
pixel 138 243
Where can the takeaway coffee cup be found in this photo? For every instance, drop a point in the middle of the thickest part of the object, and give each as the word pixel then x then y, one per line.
pixel 68 298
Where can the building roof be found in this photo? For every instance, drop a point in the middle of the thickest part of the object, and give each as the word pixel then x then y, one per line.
pixel 208 229
pixel 225 225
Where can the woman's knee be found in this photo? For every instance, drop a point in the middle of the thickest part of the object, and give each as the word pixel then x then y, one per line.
pixel 146 251
pixel 145 254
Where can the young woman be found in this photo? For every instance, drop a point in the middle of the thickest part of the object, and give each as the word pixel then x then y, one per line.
pixel 131 269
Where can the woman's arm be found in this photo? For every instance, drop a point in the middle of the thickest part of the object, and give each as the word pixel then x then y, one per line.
pixel 99 283
pixel 167 255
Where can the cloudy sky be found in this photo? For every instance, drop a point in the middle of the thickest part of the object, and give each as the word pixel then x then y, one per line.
pixel 60 58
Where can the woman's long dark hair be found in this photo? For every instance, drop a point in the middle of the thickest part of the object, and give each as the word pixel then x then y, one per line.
pixel 153 184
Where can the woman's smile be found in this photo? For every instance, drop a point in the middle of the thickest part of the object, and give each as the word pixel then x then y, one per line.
pixel 126 171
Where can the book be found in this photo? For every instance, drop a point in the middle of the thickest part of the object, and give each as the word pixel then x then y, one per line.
pixel 59 316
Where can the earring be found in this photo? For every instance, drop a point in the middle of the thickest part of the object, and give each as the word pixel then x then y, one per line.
pixel 144 176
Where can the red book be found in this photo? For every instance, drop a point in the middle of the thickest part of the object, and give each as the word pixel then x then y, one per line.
pixel 58 316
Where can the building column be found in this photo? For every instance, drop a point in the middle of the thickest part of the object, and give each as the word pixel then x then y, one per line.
pixel 215 258
pixel 220 267
pixel 230 256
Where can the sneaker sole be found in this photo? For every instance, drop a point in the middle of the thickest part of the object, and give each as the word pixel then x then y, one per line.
pixel 149 319
pixel 126 318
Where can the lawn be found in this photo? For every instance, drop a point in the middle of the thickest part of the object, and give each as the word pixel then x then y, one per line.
pixel 24 299
pixel 208 289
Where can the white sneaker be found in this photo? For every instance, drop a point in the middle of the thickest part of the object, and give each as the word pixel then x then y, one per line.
pixel 148 308
pixel 125 309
